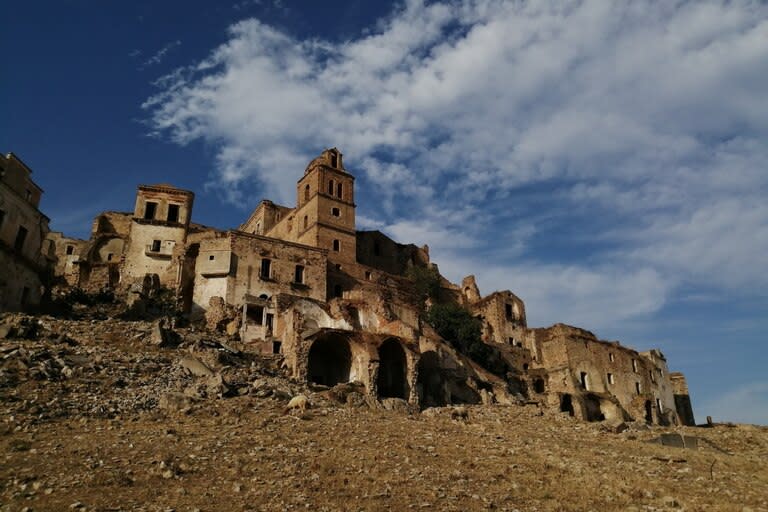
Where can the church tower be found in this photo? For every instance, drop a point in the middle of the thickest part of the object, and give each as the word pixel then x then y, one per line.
pixel 325 208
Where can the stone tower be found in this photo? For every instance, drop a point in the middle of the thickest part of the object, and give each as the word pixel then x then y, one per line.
pixel 325 208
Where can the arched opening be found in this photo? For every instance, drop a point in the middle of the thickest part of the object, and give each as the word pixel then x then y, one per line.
pixel 306 193
pixel 648 412
pixel 330 360
pixel 430 381
pixel 566 404
pixel 592 408
pixel 538 385
pixel 392 370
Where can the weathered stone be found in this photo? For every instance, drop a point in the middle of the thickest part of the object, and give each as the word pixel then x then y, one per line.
pixel 195 366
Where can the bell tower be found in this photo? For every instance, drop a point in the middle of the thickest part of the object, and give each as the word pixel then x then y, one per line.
pixel 325 207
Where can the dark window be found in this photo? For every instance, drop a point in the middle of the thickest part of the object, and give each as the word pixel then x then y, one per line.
pixel 508 311
pixel 211 257
pixel 538 386
pixel 335 212
pixel 21 236
pixel 337 291
pixel 266 266
pixel 584 382
pixel 2 217
pixel 367 275
pixel 336 245
pixel 173 213
pixel 306 193
pixel 339 190
pixel 634 365
pixel 155 245
pixel 376 249
pixel 149 210
pixel 610 378
pixel 255 314
pixel 276 345
pixel 306 221
pixel 298 274
pixel 109 256
pixel 330 187
pixel 270 320
pixel 637 387
pixel 337 266
pixel 29 194
pixel 334 159
pixel 70 250
pixel 653 378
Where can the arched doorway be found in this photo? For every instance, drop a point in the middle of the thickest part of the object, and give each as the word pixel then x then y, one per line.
pixel 566 404
pixel 330 360
pixel 430 381
pixel 593 410
pixel 392 370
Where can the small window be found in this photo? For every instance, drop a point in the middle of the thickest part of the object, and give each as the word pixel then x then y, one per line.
pixel 269 321
pixel 306 193
pixel 637 388
pixel 276 345
pixel 584 381
pixel 173 213
pixel 2 217
pixel 149 210
pixel 336 245
pixel 109 256
pixel 634 365
pixel 21 236
pixel 610 357
pixel 339 190
pixel 29 194
pixel 335 212
pixel 211 257
pixel 508 311
pixel 367 275
pixel 306 221
pixel 511 341
pixel 70 250
pixel 255 314
pixel 298 274
pixel 610 378
pixel 266 268
pixel 334 159
pixel 330 187
pixel 257 231
pixel 155 245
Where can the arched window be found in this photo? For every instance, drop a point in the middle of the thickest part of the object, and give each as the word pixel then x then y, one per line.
pixel 330 187
pixel 306 193
pixel 339 189
pixel 306 222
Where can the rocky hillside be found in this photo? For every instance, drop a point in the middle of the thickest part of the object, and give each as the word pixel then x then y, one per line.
pixel 106 414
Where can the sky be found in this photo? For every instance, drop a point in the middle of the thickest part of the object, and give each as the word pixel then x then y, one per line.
pixel 604 161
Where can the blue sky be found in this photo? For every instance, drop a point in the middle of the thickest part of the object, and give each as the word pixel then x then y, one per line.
pixel 604 161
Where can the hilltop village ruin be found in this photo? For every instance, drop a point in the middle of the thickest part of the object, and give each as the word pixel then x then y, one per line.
pixel 339 305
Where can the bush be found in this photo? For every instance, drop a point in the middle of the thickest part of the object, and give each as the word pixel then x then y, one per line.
pixel 463 331
pixel 426 281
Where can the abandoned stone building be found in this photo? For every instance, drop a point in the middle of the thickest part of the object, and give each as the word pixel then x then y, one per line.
pixel 25 253
pixel 340 305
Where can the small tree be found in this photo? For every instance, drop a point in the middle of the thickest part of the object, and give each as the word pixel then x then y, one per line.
pixel 426 281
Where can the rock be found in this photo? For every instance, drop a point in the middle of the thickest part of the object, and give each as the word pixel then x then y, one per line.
pixel 459 413
pixel 5 330
pixel 174 401
pixel 677 441
pixel 355 399
pixel 615 427
pixel 395 404
pixel 195 366
pixel 162 336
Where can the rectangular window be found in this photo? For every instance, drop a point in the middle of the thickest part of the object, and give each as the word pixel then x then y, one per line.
pixel 653 377
pixel 584 380
pixel 610 357
pixel 334 160
pixel 508 311
pixel 634 365
pixel 109 256
pixel 298 274
pixel 255 314
pixel 70 250
pixel 155 245
pixel 339 190
pixel 149 210
pixel 276 345
pixel 367 275
pixel 270 320
pixel 266 268
pixel 659 406
pixel 173 213
pixel 335 212
pixel 330 188
pixel 336 245
pixel 610 378
pixel 21 236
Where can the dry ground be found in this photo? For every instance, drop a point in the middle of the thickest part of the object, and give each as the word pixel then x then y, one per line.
pixel 242 453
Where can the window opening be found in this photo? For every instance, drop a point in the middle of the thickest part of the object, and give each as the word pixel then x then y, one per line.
pixel 610 378
pixel 255 314
pixel 211 257
pixel 266 267
pixel 508 311
pixel 276 345
pixel 155 245
pixel 584 382
pixel 538 385
pixel 269 321
pixel 21 236
pixel 306 221
pixel 298 274
pixel 334 160
pixel 109 256
pixel 339 190
pixel 173 213
pixel 634 365
pixel 653 377
pixel 637 387
pixel 659 406
pixel 2 217
pixel 610 356
pixel 336 245
pixel 70 250
pixel 149 210
pixel 335 212
pixel 306 192
pixel 330 187
pixel 367 275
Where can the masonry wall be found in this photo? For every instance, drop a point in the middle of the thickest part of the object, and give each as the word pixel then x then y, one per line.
pixel 503 315
pixel 141 259
pixel 68 252
pixel 377 250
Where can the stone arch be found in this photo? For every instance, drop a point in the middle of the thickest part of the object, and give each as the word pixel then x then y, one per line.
pixel 393 369
pixel 330 361
pixel 430 381
pixel 592 410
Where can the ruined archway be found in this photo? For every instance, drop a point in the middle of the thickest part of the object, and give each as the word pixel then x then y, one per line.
pixel 430 381
pixel 592 410
pixel 330 360
pixel 391 382
pixel 566 404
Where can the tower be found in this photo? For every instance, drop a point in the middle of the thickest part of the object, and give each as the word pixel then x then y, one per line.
pixel 325 208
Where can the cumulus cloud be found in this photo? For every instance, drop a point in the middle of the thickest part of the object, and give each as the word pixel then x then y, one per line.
pixel 635 131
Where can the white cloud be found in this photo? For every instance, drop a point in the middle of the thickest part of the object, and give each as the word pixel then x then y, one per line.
pixel 640 127
pixel 159 55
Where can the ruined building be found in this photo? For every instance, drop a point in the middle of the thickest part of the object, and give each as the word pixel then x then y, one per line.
pixel 25 253
pixel 340 305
